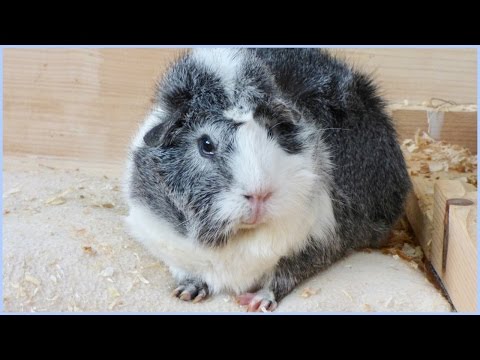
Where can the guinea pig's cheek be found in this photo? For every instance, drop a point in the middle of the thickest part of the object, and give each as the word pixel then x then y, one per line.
pixel 229 207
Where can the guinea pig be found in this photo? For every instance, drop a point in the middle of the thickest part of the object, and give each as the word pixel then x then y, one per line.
pixel 258 168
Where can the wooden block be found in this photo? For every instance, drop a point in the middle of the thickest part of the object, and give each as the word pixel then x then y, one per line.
pixel 419 210
pixel 454 125
pixel 459 274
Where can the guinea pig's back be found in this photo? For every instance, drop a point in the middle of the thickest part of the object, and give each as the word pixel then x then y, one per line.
pixel 370 178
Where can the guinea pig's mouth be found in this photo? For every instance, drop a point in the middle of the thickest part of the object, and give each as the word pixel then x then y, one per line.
pixel 247 226
pixel 252 222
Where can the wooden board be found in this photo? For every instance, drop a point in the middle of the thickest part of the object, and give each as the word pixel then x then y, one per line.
pixel 459 276
pixel 79 104
pixel 85 104
pixel 454 125
pixel 417 75
pixel 419 210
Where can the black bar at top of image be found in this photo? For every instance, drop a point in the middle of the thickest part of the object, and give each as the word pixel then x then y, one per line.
pixel 312 27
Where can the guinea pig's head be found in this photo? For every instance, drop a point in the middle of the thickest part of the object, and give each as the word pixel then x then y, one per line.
pixel 216 157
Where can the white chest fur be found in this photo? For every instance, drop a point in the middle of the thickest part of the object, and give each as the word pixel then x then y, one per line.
pixel 245 260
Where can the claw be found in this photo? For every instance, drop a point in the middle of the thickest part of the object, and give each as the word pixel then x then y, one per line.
pixel 263 300
pixel 201 295
pixel 177 291
pixel 185 296
pixel 191 290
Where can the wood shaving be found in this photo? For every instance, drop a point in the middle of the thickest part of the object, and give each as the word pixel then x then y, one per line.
pixel 132 284
pixel 447 161
pixel 89 250
pixel 12 191
pixel 29 278
pixel 57 200
pixel 472 179
pixel 113 304
pixel 307 292
pixel 107 272
pixel 113 292
pixel 108 205
pixel 424 168
pixel 367 307
pixel 437 166
pixel 142 279
pixel 80 232
pixel 347 295
pixel 413 264
pixel 415 253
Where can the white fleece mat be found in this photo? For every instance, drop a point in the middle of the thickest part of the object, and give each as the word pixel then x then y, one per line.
pixel 65 249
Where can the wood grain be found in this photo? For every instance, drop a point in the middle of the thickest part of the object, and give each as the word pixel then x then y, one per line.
pixel 417 75
pixel 78 104
pixel 460 275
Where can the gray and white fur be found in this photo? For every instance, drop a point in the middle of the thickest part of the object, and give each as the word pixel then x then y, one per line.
pixel 257 168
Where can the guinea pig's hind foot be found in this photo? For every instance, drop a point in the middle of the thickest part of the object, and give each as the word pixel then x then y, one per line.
pixel 191 290
pixel 263 300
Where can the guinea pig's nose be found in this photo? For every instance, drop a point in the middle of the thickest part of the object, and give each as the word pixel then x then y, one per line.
pixel 258 197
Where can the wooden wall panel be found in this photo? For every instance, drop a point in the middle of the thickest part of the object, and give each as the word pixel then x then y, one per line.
pixel 417 75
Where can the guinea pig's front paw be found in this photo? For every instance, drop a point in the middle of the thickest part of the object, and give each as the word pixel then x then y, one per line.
pixel 263 300
pixel 191 290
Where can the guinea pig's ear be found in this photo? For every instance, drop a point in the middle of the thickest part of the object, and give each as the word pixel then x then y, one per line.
pixel 154 136
pixel 166 133
pixel 276 111
pixel 286 112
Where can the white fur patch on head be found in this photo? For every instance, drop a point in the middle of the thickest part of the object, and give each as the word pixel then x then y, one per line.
pixel 238 114
pixel 226 63
pixel 255 160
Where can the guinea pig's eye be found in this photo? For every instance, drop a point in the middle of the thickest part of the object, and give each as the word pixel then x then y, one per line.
pixel 205 146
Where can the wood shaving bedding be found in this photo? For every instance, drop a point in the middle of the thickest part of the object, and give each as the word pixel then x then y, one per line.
pixel 426 157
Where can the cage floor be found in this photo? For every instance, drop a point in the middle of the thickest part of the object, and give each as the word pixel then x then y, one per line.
pixel 65 249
